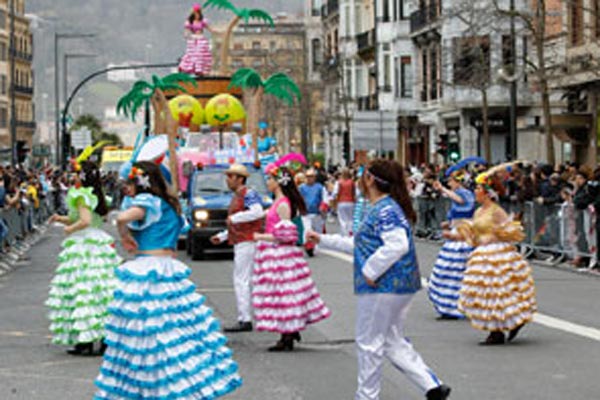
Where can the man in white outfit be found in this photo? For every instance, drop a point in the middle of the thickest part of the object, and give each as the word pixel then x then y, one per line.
pixel 245 218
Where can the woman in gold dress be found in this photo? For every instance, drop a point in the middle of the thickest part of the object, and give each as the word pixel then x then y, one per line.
pixel 498 293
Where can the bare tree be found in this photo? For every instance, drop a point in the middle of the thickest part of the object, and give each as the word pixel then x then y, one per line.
pixel 541 20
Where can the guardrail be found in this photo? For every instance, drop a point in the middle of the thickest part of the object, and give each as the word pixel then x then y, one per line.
pixel 18 226
pixel 554 233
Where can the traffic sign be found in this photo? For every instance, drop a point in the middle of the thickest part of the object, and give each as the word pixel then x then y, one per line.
pixel 81 138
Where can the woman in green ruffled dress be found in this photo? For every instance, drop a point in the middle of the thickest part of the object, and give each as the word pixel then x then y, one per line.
pixel 84 281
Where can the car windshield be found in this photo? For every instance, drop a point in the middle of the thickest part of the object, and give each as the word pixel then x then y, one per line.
pixel 213 182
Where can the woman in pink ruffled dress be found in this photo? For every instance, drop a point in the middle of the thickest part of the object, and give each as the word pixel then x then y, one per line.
pixel 198 56
pixel 284 296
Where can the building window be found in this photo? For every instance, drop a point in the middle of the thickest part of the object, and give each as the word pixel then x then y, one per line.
pixel 272 45
pixel 255 45
pixel 471 60
pixel 317 53
pixel 237 63
pixel 424 75
pixel 346 19
pixel 3 117
pixel 358 19
pixel 386 11
pixel 576 22
pixel 387 73
pixel 507 55
pixel 596 17
pixel 406 77
pixel 434 72
pixel 2 19
pixel 238 46
pixel 2 51
pixel 3 88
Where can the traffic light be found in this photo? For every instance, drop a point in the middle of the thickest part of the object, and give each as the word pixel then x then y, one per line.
pixel 346 146
pixel 442 145
pixel 22 151
pixel 454 151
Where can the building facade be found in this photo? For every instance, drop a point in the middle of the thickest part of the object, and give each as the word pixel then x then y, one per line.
pixel 269 50
pixel 21 53
pixel 432 65
pixel 575 74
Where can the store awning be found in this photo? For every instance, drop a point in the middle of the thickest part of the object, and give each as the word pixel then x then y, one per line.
pixel 574 128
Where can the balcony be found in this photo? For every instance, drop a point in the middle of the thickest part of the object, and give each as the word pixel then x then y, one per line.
pixel 26 90
pixel 21 55
pixel 26 124
pixel 367 103
pixel 366 44
pixel 424 16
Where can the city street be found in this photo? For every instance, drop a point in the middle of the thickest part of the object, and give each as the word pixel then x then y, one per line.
pixel 558 357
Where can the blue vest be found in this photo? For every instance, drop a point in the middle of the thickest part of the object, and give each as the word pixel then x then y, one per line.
pixel 403 277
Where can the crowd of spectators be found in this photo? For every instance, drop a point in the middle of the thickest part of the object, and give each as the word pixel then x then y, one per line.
pixel 557 205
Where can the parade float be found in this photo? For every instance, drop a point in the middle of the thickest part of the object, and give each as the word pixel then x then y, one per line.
pixel 200 125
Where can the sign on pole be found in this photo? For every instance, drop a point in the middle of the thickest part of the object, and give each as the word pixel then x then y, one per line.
pixel 375 130
pixel 81 138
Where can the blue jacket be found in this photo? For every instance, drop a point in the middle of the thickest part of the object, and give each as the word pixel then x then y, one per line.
pixel 403 277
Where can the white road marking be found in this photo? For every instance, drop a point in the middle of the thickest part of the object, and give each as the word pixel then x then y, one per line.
pixel 539 318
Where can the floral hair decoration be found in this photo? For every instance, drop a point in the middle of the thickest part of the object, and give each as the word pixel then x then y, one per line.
pixel 283 177
pixel 197 7
pixel 138 175
pixel 458 176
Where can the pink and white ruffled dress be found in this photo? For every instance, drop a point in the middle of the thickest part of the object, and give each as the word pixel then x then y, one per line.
pixel 198 56
pixel 284 295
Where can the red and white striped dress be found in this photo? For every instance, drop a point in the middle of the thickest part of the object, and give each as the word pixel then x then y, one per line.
pixel 198 56
pixel 284 295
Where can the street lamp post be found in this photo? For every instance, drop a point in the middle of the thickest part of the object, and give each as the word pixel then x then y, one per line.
pixel 513 85
pixel 68 57
pixel 57 38
pixel 13 76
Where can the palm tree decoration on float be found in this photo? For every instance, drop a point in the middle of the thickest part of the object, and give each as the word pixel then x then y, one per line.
pixel 153 92
pixel 245 14
pixel 278 85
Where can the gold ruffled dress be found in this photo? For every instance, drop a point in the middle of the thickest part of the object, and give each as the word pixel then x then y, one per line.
pixel 498 292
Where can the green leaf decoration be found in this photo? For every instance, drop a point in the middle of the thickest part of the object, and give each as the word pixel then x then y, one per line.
pixel 248 14
pixel 246 78
pixel 142 91
pixel 221 5
pixel 283 87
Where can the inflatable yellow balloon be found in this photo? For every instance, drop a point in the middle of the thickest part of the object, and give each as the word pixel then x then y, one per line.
pixel 186 110
pixel 224 109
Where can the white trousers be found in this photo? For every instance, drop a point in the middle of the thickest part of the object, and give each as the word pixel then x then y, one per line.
pixel 380 332
pixel 243 263
pixel 345 217
pixel 316 222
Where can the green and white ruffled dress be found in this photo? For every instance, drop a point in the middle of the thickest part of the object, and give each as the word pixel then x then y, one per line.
pixel 83 286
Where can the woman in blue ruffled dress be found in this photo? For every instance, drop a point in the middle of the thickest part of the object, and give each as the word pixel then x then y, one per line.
pixel 449 268
pixel 163 340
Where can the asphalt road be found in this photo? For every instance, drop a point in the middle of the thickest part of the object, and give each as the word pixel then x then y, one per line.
pixel 557 358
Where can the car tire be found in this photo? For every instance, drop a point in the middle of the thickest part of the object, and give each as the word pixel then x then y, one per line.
pixel 197 252
pixel 188 245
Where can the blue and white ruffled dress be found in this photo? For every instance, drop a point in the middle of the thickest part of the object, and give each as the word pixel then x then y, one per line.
pixel 163 340
pixel 447 275
pixel 449 268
